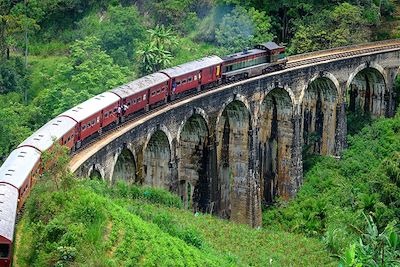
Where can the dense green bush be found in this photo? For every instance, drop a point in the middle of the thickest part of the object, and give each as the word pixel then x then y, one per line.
pixel 336 193
pixel 13 76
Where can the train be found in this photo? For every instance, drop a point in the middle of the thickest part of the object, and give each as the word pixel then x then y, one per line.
pixel 87 121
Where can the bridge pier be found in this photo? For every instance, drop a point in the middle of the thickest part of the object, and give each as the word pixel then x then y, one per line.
pixel 234 148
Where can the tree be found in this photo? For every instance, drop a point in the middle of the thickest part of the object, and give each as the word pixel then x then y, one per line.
pixel 155 54
pixel 119 29
pixel 89 71
pixel 242 28
pixel 162 36
pixel 343 25
pixel 153 58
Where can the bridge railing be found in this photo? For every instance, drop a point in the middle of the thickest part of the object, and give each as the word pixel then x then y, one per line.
pixel 343 49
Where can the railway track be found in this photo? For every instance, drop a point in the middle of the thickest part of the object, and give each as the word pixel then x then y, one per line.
pixel 293 62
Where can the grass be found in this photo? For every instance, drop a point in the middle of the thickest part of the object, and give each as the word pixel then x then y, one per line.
pixel 93 225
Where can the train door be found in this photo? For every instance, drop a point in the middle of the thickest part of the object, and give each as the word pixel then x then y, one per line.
pixel 5 251
pixel 218 71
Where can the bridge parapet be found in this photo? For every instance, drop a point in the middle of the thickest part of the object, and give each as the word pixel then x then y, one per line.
pixel 239 145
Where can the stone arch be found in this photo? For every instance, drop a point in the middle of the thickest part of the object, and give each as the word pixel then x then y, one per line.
pixel 195 111
pixel 193 165
pixel 318 109
pixel 233 132
pixel 367 92
pixel 124 167
pixel 280 86
pixel 275 144
pixel 235 97
pixel 156 161
pixel 326 75
pixel 96 172
pixel 364 66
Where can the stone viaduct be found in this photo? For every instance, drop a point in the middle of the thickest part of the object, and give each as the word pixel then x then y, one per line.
pixel 230 149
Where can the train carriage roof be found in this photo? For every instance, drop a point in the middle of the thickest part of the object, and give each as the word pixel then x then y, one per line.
pixel 239 55
pixel 52 131
pixel 270 45
pixel 18 165
pixel 192 66
pixel 91 106
pixel 8 210
pixel 140 84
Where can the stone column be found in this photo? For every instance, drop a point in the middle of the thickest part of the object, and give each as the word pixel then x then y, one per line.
pixel 296 177
pixel 341 121
pixel 390 94
pixel 255 218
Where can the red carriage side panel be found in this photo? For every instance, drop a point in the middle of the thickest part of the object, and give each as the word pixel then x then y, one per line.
pixel 148 90
pixel 106 119
pixel 88 114
pixel 187 82
pixel 193 74
pixel 5 252
pixel 136 102
pixel 90 125
pixel 158 93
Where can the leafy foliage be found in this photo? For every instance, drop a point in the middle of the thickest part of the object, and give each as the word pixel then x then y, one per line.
pixel 343 25
pixel 154 56
pixel 119 32
pixel 241 28
pixel 13 76
pixel 374 248
pixel 89 71
pixel 335 194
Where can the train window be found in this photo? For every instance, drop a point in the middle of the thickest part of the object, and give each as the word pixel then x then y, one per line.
pixel 178 83
pixel 106 114
pixel 69 138
pixel 153 93
pixel 158 91
pixel 134 101
pixel 115 110
pixel 139 99
pixel 195 77
pixel 184 81
pixel 144 97
pixel 129 103
pixel 83 127
pixel 189 79
pixel 65 142
pixel 93 122
pixel 4 250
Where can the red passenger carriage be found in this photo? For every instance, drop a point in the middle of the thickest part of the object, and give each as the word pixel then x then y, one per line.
pixel 94 115
pixel 194 75
pixel 139 94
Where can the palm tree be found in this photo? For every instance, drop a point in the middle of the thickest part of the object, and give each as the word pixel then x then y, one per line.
pixel 153 58
pixel 162 36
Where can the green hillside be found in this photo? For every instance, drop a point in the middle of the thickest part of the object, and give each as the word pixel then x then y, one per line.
pixel 93 225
